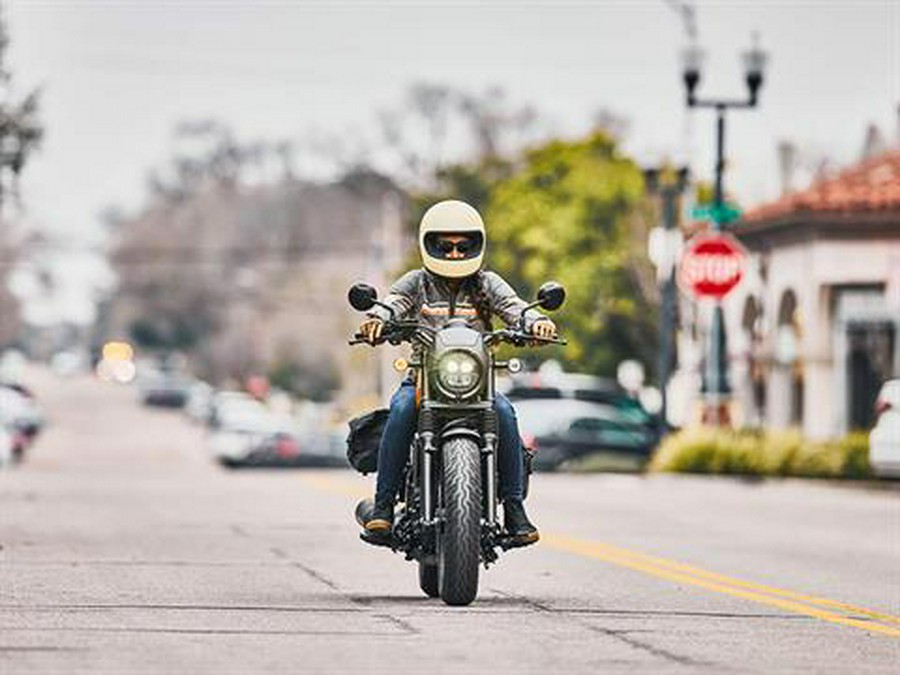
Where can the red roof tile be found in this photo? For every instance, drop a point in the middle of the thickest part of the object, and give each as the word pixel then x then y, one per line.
pixel 871 185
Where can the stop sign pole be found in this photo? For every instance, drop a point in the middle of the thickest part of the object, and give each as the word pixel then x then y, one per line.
pixel 711 267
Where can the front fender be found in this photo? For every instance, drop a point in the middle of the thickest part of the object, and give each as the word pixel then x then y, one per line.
pixel 452 431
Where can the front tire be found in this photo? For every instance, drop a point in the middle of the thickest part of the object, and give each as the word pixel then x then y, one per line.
pixel 459 541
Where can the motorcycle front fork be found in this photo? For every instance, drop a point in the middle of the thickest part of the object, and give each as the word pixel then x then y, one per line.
pixel 489 455
pixel 490 527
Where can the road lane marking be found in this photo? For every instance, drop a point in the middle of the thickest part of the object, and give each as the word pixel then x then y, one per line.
pixel 824 609
pixel 722 584
pixel 337 487
pixel 761 588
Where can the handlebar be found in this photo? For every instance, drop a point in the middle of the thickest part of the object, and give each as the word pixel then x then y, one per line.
pixel 402 331
pixel 520 338
pixel 394 332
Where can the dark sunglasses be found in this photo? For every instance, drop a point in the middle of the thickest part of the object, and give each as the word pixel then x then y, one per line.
pixel 446 246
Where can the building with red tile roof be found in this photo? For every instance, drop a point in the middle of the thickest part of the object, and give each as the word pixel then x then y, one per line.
pixel 814 328
pixel 868 191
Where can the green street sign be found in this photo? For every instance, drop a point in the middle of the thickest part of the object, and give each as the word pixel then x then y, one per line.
pixel 726 213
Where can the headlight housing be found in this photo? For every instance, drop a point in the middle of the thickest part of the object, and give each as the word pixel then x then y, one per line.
pixel 458 373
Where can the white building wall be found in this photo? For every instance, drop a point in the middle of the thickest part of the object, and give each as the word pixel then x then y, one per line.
pixel 810 269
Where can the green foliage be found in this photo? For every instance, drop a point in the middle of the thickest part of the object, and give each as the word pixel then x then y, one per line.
pixel 566 213
pixel 314 381
pixel 179 333
pixel 753 453
pixel 574 212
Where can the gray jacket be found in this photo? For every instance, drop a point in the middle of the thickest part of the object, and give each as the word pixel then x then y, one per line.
pixel 424 296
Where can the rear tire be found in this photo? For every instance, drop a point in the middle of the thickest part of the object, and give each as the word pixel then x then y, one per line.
pixel 428 579
pixel 459 541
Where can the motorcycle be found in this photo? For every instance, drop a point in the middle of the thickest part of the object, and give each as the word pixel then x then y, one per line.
pixel 447 519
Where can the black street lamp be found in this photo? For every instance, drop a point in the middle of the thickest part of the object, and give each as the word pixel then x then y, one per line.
pixel 716 385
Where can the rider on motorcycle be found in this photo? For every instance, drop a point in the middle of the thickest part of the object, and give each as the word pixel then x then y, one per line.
pixel 452 283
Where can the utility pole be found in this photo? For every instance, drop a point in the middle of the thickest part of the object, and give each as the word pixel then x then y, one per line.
pixel 665 246
pixel 716 385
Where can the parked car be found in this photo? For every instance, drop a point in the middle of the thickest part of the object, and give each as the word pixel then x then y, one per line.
pixel 884 440
pixel 246 433
pixel 20 416
pixel 67 363
pixel 200 402
pixel 164 388
pixel 561 430
pixel 221 400
pixel 563 385
pixel 7 452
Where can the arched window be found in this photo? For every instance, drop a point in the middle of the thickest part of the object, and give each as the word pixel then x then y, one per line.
pixel 787 350
pixel 752 324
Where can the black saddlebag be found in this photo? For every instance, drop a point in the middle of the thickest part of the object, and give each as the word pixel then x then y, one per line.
pixel 364 439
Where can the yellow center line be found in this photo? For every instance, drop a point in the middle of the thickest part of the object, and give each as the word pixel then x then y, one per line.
pixel 337 487
pixel 671 570
pixel 732 581
pixel 722 584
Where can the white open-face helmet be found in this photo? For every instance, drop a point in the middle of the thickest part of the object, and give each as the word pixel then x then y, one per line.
pixel 452 217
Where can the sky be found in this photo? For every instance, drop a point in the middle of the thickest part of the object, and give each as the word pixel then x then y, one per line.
pixel 118 75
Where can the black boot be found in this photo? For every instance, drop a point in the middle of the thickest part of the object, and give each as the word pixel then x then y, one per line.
pixel 377 521
pixel 518 528
pixel 380 519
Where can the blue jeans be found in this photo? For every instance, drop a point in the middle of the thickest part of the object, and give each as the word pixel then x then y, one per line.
pixel 401 427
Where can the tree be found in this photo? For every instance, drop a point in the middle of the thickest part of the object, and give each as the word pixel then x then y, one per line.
pixel 10 316
pixel 573 211
pixel 20 134
pixel 487 124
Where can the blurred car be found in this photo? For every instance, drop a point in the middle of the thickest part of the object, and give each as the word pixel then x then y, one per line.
pixel 578 386
pixel 561 430
pixel 164 389
pixel 200 401
pixel 222 400
pixel 563 385
pixel 20 416
pixel 884 440
pixel 67 363
pixel 6 447
pixel 246 433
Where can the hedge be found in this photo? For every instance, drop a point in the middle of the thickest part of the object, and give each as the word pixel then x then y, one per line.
pixel 756 453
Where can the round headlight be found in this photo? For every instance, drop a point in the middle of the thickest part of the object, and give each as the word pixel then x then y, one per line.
pixel 458 372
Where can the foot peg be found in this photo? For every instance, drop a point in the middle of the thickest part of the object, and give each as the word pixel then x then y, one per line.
pixel 378 538
pixel 508 541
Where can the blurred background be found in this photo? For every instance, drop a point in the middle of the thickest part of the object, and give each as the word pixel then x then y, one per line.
pixel 188 190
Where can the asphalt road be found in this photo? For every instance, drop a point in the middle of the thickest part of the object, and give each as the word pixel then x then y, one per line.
pixel 125 550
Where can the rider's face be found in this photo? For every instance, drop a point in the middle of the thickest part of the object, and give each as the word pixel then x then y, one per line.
pixel 454 246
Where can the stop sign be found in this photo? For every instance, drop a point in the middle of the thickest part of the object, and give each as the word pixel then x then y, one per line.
pixel 712 265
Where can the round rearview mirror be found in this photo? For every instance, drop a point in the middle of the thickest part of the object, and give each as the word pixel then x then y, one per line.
pixel 362 297
pixel 551 296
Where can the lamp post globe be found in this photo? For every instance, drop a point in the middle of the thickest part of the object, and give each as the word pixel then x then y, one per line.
pixel 755 60
pixel 692 61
